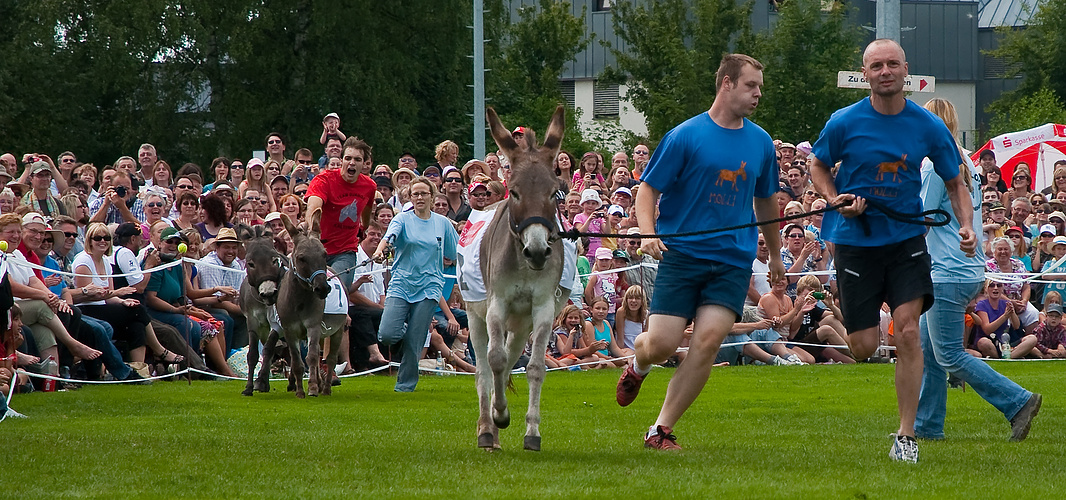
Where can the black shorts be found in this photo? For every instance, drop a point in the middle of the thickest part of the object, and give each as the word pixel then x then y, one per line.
pixel 870 276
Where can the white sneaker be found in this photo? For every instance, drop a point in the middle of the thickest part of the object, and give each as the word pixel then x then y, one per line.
pixel 904 449
pixel 778 361
pixel 795 360
pixel 13 414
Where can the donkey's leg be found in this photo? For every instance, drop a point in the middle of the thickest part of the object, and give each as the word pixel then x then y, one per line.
pixel 296 366
pixel 262 383
pixel 253 357
pixel 487 433
pixel 543 313
pixel 314 356
pixel 331 359
pixel 497 358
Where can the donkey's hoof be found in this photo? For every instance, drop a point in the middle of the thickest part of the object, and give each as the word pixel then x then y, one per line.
pixel 485 441
pixel 264 387
pixel 531 443
pixel 299 395
pixel 247 392
pixel 502 420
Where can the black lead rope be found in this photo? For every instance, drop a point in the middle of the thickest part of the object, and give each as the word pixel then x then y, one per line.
pixel 922 219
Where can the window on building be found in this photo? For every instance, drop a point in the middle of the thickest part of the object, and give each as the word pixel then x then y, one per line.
pixel 605 100
pixel 567 88
pixel 602 5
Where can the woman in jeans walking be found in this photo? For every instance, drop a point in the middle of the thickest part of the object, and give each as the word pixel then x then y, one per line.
pixel 957 278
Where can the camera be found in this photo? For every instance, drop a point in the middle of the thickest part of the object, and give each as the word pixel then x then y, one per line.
pixel 121 191
pixel 818 295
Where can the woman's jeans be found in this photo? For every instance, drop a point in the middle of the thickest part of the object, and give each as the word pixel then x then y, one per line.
pixel 188 328
pixel 417 315
pixel 942 336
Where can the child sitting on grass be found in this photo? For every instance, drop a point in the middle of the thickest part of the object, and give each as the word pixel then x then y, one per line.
pixel 569 346
pixel 1051 335
pixel 600 335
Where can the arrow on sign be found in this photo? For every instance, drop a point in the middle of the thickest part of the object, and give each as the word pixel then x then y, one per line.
pixel 914 83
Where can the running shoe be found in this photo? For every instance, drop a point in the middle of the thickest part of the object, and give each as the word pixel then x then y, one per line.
pixel 792 358
pixel 904 449
pixel 661 438
pixel 1019 425
pixel 779 361
pixel 628 386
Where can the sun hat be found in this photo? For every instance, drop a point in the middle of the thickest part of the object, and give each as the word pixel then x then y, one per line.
pixel 402 170
pixel 226 235
pixel 590 195
pixel 1060 215
pixel 1059 240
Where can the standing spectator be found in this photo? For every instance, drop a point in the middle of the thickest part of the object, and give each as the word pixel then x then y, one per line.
pixel 590 170
pixel 641 155
pixel 422 241
pixel 162 177
pixel 119 203
pixel 220 172
pixel 214 216
pixel 237 173
pixel 146 157
pixel 257 179
pixel 275 147
pixel 564 164
pixel 40 198
pixel 345 197
pixel 458 208
pixel 334 146
pixel 1021 185
pixel 305 168
pixel 87 172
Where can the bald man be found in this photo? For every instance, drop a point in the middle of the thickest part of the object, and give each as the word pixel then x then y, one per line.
pixel 880 142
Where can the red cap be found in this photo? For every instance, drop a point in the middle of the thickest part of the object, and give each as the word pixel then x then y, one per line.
pixel 519 130
pixel 475 185
pixel 1014 228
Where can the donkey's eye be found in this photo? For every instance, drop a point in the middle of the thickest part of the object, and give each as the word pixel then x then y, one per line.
pixel 514 194
pixel 251 265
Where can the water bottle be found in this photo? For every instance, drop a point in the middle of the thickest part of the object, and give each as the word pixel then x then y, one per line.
pixel 440 364
pixel 51 367
pixel 1004 345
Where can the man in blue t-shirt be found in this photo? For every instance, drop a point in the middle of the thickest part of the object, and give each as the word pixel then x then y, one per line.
pixel 879 143
pixel 709 171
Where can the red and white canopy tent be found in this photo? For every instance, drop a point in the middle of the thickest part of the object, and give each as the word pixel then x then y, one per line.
pixel 1038 147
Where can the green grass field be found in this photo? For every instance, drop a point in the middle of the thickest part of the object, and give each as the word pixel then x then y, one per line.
pixel 756 432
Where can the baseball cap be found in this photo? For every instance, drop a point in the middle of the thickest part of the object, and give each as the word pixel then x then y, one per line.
pixel 254 162
pixel 605 253
pixel 625 191
pixel 34 218
pixel 590 195
pixel 331 115
pixel 988 152
pixel 272 216
pixel 1053 308
pixel 474 185
pixel 1014 228
pixel 1048 228
pixel 997 206
pixel 431 169
pixel 39 166
pixel 616 210
pixel 621 254
pixel 127 229
pixel 1059 240
pixel 518 130
pixel 171 233
pixel 277 178
pixel 633 230
pixel 222 186
pixel 383 181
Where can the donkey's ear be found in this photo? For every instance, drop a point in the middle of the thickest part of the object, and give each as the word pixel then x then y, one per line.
pixel 244 232
pixel 316 217
pixel 500 134
pixel 289 227
pixel 554 137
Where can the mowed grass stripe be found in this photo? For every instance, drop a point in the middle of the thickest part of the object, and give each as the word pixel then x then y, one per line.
pixel 756 432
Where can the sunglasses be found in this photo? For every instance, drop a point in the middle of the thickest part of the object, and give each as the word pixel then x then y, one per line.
pixel 453 179
pixel 432 174
pixel 299 193
pixel 102 238
pixel 795 236
pixel 307 162
pixel 70 235
pixel 154 204
pixel 480 194
pixel 67 160
pixel 183 186
pixel 253 198
pixel 995 285
pixel 274 141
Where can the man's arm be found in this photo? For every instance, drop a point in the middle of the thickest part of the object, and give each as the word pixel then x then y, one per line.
pixel 960 204
pixel 101 213
pixel 368 212
pixel 753 295
pixel 647 198
pixel 313 203
pixel 822 178
pixel 766 209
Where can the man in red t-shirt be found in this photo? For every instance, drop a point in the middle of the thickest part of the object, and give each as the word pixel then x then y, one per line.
pixel 346 198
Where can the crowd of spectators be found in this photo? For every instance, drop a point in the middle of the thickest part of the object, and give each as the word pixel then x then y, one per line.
pixel 141 213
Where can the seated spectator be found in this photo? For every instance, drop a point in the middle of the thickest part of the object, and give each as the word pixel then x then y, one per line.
pixel 800 255
pixel 293 207
pixel 995 315
pixel 592 219
pixel 755 339
pixel 222 285
pixel 818 325
pixel 571 331
pixel 124 315
pixel 39 305
pixel 609 285
pixel 1051 335
pixel 165 296
pixel 11 358
pixel 602 334
pixel 631 318
pixel 366 301
pixel 119 203
pixel 155 206
pixel 782 312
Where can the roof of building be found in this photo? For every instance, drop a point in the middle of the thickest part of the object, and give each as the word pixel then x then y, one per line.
pixel 995 13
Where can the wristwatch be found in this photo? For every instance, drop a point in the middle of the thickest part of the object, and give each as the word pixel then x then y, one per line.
pixel 84 291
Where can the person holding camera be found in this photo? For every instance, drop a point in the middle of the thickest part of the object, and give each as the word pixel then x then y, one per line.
pixel 592 219
pixel 119 203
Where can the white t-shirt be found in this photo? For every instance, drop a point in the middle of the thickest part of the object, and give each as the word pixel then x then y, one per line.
pixel 376 288
pixel 471 282
pixel 127 263
pixel 19 269
pixel 760 279
pixel 85 260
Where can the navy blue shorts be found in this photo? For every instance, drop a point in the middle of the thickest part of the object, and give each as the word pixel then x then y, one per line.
pixel 684 283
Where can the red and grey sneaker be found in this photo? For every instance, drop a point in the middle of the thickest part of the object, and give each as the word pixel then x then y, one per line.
pixel 628 386
pixel 661 438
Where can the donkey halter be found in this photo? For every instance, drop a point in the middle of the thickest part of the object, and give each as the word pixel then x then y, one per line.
pixel 518 227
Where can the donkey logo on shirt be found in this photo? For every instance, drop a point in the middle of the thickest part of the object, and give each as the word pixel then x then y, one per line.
pixel 732 175
pixel 892 167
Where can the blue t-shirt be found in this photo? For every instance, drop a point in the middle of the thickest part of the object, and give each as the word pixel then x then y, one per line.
pixel 950 265
pixel 708 176
pixel 51 263
pixel 880 159
pixel 421 246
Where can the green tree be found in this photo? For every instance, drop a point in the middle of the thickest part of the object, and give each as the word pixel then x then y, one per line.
pixel 801 55
pixel 1039 53
pixel 526 61
pixel 671 52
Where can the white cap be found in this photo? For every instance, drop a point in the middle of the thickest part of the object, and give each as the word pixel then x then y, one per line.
pixel 616 210
pixel 1059 240
pixel 331 115
pixel 624 190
